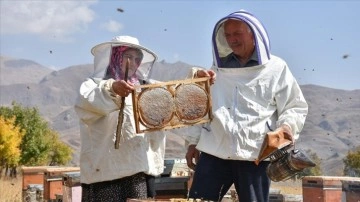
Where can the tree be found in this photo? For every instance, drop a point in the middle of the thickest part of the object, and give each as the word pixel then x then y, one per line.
pixel 60 153
pixel 10 139
pixel 312 171
pixel 39 144
pixel 34 146
pixel 352 163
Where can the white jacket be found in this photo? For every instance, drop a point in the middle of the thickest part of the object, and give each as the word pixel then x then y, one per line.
pixel 244 100
pixel 98 113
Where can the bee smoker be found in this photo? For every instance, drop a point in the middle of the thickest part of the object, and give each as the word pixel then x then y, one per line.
pixel 285 163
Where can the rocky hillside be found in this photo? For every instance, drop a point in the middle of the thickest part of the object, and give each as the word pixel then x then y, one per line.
pixel 331 129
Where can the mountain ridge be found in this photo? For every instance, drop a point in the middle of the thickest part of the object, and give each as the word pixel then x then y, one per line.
pixel 331 128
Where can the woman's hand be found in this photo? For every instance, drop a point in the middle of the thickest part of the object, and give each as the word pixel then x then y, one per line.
pixel 122 88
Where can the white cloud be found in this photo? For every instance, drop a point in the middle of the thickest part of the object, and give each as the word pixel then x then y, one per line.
pixel 112 26
pixel 47 19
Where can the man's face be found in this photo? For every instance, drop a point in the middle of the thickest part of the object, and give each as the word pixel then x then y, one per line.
pixel 239 37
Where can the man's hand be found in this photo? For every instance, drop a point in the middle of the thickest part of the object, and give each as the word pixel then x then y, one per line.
pixel 191 154
pixel 286 130
pixel 207 73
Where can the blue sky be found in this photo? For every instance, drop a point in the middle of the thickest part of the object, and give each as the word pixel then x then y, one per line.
pixel 312 36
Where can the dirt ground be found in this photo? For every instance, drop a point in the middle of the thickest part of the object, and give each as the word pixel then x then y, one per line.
pixel 288 187
pixel 10 189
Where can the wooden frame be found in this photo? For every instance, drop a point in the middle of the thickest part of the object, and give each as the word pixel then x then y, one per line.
pixel 176 121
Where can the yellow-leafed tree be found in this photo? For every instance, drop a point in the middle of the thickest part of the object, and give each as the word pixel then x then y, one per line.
pixel 40 145
pixel 10 139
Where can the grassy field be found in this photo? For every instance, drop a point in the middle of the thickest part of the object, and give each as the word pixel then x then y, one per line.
pixel 10 189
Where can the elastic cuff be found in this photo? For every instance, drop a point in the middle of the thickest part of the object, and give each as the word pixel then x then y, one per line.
pixel 109 89
pixel 193 72
pixel 287 125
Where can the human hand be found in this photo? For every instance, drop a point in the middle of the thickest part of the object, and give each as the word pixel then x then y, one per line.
pixel 207 73
pixel 275 140
pixel 286 130
pixel 192 153
pixel 122 88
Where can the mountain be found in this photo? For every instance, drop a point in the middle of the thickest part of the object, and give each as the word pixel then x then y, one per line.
pixel 332 126
pixel 331 129
pixel 12 68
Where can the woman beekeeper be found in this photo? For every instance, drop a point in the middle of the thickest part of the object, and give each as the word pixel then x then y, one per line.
pixel 109 174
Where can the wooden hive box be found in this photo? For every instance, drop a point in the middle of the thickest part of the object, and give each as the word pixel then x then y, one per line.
pixel 71 187
pixel 161 200
pixel 322 188
pixel 171 187
pixel 53 181
pixel 276 198
pixel 34 192
pixel 351 189
pixel 33 175
pixel 274 195
pixel 146 200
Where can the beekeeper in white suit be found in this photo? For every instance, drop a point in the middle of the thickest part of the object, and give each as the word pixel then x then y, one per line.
pixel 254 93
pixel 109 174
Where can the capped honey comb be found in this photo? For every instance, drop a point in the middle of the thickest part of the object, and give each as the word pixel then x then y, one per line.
pixel 173 104
pixel 191 102
pixel 156 107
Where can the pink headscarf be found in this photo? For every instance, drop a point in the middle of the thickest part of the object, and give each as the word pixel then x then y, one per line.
pixel 114 70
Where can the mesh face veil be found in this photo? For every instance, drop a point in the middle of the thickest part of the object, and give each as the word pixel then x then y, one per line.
pixel 119 54
pixel 261 39
pixel 103 57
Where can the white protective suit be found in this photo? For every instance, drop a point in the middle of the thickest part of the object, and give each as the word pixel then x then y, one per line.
pixel 245 99
pixel 98 113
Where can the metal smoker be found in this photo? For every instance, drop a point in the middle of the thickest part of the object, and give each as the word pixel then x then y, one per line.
pixel 286 162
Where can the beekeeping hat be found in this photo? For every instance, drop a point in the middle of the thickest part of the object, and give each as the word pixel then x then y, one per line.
pixel 102 54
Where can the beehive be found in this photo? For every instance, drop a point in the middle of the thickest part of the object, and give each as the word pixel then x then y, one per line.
pixel 53 181
pixel 33 175
pixel 322 188
pixel 71 187
pixel 351 189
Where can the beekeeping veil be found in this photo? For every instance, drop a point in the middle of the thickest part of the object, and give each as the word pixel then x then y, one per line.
pixel 103 52
pixel 221 47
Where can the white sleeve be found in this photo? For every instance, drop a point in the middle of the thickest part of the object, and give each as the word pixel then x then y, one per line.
pixel 95 100
pixel 192 73
pixel 292 107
